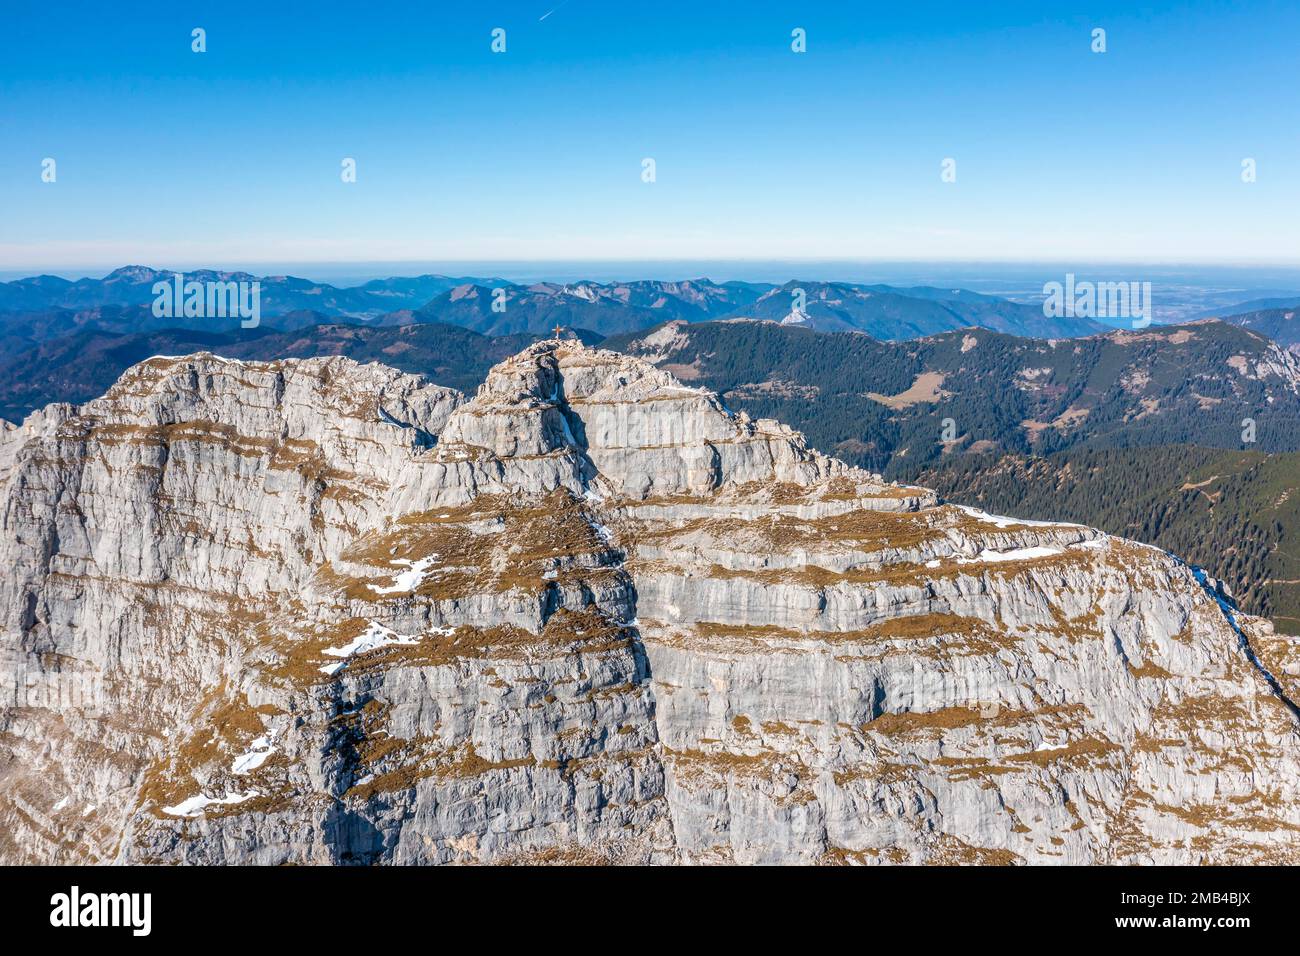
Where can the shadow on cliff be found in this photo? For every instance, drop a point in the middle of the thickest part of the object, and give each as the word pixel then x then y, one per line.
pixel 351 838
pixel 577 431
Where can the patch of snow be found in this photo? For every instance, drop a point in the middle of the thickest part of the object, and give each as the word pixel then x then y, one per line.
pixel 374 636
pixel 1003 521
pixel 407 580
pixel 262 748
pixel 61 804
pixel 602 531
pixel 194 806
pixel 176 358
pixel 1017 554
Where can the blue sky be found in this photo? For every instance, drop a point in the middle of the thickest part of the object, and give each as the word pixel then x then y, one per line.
pixel 232 156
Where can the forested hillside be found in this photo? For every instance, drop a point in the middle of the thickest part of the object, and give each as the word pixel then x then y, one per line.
pixel 902 407
pixel 1237 514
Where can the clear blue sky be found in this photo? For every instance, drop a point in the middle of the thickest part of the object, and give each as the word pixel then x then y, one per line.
pixel 168 157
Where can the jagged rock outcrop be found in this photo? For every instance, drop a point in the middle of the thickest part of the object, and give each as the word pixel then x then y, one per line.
pixel 317 612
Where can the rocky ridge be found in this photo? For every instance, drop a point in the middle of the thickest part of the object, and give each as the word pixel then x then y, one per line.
pixel 333 614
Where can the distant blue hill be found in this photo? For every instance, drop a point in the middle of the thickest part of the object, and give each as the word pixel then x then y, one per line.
pixel 43 307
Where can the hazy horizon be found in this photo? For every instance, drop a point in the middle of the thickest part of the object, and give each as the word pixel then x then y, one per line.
pixel 1180 292
pixel 885 271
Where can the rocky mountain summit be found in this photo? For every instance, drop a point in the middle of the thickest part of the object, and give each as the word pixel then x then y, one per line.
pixel 331 613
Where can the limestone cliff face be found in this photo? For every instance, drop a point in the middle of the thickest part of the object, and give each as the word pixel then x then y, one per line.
pixel 329 613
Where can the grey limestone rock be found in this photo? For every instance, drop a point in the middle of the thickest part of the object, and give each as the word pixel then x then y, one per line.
pixel 312 611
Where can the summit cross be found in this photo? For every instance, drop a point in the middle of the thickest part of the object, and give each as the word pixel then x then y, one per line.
pixel 558 330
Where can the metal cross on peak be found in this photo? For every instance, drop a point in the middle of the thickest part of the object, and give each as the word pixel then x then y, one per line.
pixel 558 330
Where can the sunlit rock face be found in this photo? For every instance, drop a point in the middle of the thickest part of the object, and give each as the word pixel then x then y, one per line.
pixel 316 612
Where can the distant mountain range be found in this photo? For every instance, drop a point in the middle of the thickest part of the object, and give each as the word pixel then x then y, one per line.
pixel 133 285
pixel 1291 301
pixel 42 307
pixel 892 314
pixel 602 308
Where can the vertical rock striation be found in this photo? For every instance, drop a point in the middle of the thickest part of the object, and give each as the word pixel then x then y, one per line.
pixel 318 612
